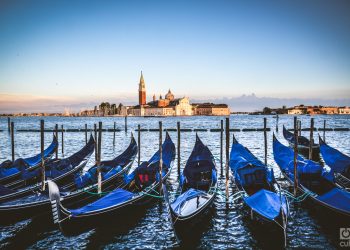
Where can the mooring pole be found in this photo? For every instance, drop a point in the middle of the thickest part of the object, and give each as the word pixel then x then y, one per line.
pixel 265 141
pixel 160 157
pixel 227 156
pixel 139 144
pixel 126 123
pixel 62 131
pixel 324 130
pixel 114 128
pixel 42 155
pixel 178 149
pixel 311 138
pixel 56 134
pixel 96 139
pixel 277 117
pixel 85 133
pixel 295 156
pixel 299 128
pixel 9 124
pixel 99 176
pixel 221 146
pixel 13 141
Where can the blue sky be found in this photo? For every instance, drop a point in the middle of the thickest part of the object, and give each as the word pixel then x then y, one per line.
pixel 90 50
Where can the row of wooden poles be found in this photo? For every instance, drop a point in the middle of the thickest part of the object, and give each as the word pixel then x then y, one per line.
pixel 98 141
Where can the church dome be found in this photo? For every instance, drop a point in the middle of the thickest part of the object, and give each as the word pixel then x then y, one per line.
pixel 169 96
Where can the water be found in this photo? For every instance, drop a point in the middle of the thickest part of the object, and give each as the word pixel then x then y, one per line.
pixel 226 228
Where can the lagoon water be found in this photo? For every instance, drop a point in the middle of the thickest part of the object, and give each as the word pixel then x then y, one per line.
pixel 225 228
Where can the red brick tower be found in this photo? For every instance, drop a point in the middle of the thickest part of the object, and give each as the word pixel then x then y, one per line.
pixel 142 91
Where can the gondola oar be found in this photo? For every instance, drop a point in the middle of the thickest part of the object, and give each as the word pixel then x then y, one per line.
pixel 166 198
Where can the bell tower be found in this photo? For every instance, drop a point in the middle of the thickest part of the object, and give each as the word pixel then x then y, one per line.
pixel 142 91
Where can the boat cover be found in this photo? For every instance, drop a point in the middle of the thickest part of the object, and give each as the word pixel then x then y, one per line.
pixel 336 160
pixel 201 161
pixel 181 199
pixel 267 203
pixel 115 197
pixel 19 165
pixel 337 198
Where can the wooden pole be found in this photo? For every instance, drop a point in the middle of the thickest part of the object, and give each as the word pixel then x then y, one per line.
pixel 42 155
pixel 12 141
pixel 221 146
pixel 96 139
pixel 299 128
pixel 139 144
pixel 324 130
pixel 277 117
pixel 311 138
pixel 56 134
pixel 227 155
pixel 160 156
pixel 126 123
pixel 295 156
pixel 265 141
pixel 8 124
pixel 85 133
pixel 99 176
pixel 178 149
pixel 114 128
pixel 62 131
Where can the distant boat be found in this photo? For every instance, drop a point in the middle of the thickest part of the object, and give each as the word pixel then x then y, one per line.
pixel 303 144
pixel 261 192
pixel 314 181
pixel 197 190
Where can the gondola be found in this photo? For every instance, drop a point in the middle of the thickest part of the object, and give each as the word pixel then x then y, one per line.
pixel 12 171
pixel 338 162
pixel 261 193
pixel 59 169
pixel 303 144
pixel 140 187
pixel 197 189
pixel 313 180
pixel 78 190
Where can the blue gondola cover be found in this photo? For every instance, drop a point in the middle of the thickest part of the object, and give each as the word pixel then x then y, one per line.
pixel 113 198
pixel 267 203
pixel 336 160
pixel 337 198
pixel 188 195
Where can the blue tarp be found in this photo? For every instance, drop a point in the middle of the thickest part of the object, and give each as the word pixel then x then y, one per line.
pixel 35 160
pixel 284 157
pixel 337 198
pixel 336 160
pixel 267 203
pixel 113 198
pixel 189 194
pixel 243 163
pixel 201 161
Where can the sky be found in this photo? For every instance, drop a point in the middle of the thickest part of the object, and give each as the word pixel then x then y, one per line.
pixel 78 53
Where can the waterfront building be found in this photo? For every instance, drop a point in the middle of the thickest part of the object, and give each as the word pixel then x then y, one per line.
pixel 211 109
pixel 344 110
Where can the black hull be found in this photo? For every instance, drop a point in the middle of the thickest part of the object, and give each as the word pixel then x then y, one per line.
pixel 305 151
pixel 185 225
pixel 17 213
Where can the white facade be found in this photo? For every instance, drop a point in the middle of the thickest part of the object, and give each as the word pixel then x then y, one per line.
pixel 183 107
pixel 344 110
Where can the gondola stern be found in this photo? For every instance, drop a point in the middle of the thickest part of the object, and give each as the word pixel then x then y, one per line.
pixel 55 200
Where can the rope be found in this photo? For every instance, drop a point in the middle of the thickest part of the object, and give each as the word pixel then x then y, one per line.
pixel 299 198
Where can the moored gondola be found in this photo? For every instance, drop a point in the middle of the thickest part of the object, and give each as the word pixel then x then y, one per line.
pixel 338 162
pixel 26 202
pixel 140 187
pixel 197 190
pixel 315 181
pixel 261 193
pixel 78 190
pixel 12 171
pixel 303 144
